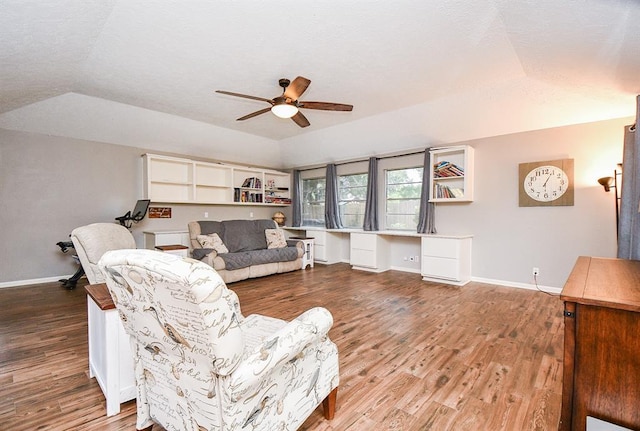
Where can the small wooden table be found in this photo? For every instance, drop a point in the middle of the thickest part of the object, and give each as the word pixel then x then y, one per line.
pixel 601 343
pixel 110 357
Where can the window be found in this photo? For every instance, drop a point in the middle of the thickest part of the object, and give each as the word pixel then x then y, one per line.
pixel 313 201
pixel 352 198
pixel 403 189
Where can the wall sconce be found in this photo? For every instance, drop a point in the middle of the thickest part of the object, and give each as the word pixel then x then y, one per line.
pixel 613 183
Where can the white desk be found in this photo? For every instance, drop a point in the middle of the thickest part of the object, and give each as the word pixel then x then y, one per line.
pixel 110 357
pixel 443 258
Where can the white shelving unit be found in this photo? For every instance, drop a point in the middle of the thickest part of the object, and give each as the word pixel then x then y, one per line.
pixel 451 177
pixel 178 180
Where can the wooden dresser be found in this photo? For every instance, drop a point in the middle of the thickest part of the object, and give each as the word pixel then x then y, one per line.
pixel 601 343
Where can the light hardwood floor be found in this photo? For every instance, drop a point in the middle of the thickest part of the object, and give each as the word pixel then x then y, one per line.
pixel 413 355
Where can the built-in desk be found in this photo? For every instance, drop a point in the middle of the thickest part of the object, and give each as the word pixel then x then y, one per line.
pixel 110 357
pixel 439 258
pixel 601 375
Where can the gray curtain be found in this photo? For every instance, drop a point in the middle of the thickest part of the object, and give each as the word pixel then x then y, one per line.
pixel 371 206
pixel 426 217
pixel 331 210
pixel 629 227
pixel 296 200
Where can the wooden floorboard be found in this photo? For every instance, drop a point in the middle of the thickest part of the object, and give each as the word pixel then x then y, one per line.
pixel 414 355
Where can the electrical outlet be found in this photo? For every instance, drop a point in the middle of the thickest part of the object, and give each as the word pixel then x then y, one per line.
pixel 417 259
pixel 411 259
pixel 206 215
pixel 251 214
pixel 536 271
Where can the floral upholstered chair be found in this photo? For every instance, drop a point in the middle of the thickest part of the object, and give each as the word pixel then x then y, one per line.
pixel 201 365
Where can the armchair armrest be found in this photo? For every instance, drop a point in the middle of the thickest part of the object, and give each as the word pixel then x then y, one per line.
pixel 282 346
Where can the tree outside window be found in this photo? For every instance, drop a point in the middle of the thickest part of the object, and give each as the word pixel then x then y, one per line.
pixel 352 198
pixel 403 189
pixel 313 191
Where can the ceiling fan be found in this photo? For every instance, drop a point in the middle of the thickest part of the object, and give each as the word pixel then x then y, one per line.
pixel 288 104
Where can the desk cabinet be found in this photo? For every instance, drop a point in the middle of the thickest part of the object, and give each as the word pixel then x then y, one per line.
pixel 601 376
pixel 369 252
pixel 446 259
pixel 326 246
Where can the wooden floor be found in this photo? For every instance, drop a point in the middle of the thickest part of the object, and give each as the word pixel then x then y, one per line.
pixel 413 355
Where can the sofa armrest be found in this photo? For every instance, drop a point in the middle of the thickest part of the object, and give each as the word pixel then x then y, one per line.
pixel 284 345
pixel 198 254
pixel 298 244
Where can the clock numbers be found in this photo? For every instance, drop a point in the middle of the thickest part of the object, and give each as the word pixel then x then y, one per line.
pixel 546 183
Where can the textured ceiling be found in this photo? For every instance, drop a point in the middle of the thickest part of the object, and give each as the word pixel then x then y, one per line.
pixel 532 64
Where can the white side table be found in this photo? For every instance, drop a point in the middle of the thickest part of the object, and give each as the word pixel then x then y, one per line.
pixel 110 357
pixel 307 257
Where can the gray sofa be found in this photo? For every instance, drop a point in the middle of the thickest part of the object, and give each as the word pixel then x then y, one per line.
pixel 248 255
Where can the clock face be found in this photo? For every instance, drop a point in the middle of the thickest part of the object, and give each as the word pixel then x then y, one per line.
pixel 546 183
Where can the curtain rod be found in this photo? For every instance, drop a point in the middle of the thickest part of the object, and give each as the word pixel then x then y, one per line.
pixel 365 160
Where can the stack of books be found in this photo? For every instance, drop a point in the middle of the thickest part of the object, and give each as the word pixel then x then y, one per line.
pixel 447 169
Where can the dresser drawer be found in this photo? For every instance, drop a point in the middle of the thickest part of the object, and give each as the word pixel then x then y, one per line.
pixel 320 238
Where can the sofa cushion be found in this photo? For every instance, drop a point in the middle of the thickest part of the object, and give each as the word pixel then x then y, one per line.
pixel 244 259
pixel 275 238
pixel 246 235
pixel 207 227
pixel 213 241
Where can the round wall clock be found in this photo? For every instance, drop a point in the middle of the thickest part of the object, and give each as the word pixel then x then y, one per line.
pixel 548 183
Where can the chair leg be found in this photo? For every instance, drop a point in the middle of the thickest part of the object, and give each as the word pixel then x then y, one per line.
pixel 329 404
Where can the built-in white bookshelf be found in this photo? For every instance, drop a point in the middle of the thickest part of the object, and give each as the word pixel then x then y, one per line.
pixel 179 180
pixel 451 178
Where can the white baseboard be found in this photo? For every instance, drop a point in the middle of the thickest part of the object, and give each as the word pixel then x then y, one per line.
pixel 400 268
pixel 19 283
pixel 548 289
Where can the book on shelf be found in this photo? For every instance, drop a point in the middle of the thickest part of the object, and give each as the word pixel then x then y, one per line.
pixel 252 183
pixel 446 192
pixel 240 195
pixel 447 169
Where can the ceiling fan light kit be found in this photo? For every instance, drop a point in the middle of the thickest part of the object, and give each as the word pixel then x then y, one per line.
pixel 283 109
pixel 287 105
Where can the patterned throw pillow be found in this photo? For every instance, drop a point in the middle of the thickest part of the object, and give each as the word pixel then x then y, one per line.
pixel 212 241
pixel 275 238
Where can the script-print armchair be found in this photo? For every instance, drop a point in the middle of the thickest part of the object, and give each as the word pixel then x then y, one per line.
pixel 201 365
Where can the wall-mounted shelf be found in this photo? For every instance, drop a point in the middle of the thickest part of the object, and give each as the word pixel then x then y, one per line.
pixel 178 180
pixel 451 177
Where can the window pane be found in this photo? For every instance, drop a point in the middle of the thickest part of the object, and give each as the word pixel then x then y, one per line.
pixel 403 189
pixel 352 195
pixel 313 191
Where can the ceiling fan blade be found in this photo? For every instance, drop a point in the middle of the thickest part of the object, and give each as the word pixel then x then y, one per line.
pixel 254 114
pixel 301 120
pixel 296 88
pixel 326 106
pixel 229 93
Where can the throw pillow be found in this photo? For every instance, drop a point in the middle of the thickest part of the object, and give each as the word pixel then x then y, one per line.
pixel 275 238
pixel 212 241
